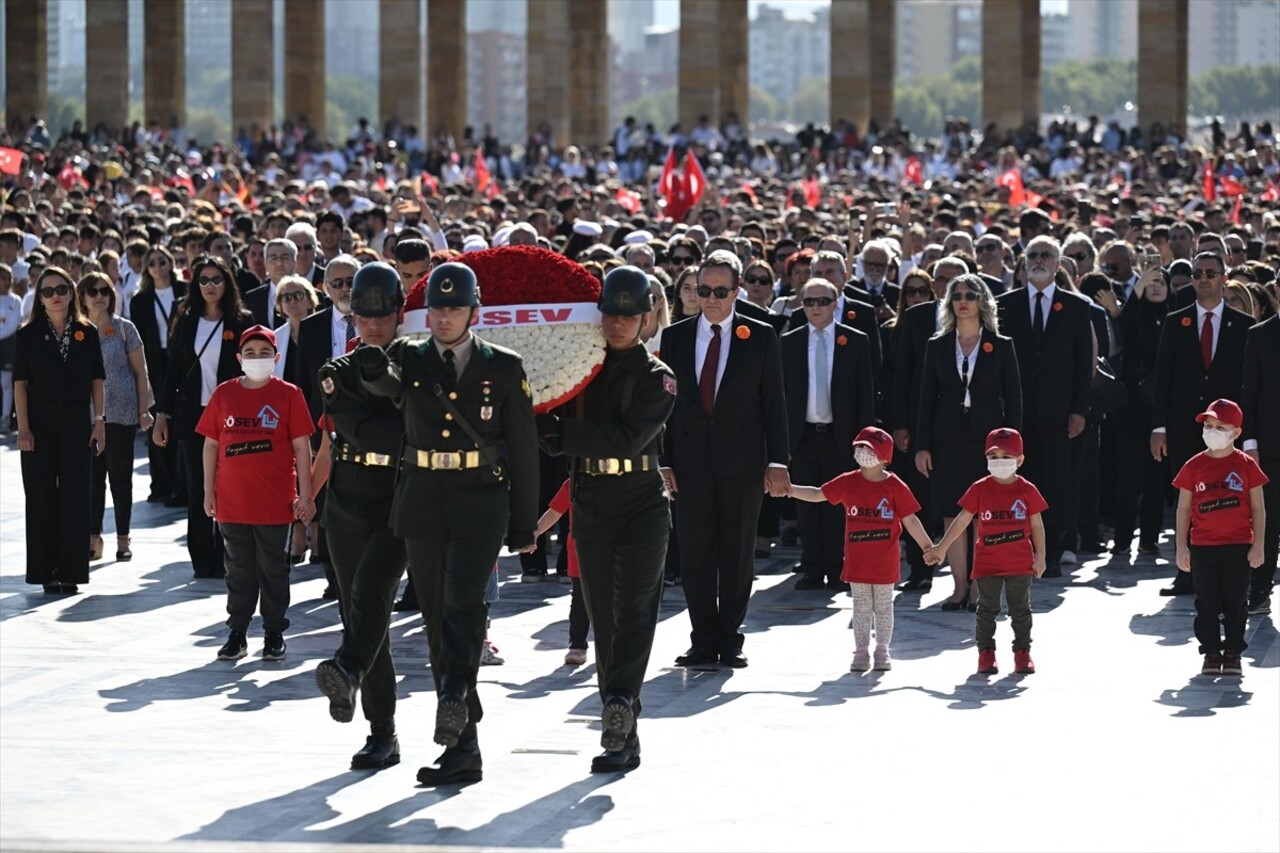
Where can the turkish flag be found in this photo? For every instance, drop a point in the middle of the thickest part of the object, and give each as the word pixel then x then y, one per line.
pixel 10 161
pixel 1013 180
pixel 1272 193
pixel 629 199
pixel 1210 184
pixel 1231 187
pixel 694 178
pixel 914 171
pixel 666 184
pixel 812 193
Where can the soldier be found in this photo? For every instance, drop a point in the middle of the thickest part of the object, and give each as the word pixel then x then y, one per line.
pixel 620 513
pixel 468 478
pixel 365 432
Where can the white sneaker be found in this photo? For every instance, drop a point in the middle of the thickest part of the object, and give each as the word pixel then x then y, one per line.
pixel 575 657
pixel 861 661
pixel 1068 558
pixel 489 655
pixel 883 663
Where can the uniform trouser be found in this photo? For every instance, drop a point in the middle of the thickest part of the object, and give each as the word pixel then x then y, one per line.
pixel 622 588
pixel 579 621
pixel 1220 576
pixel 55 480
pixel 1261 578
pixel 450 576
pixel 1017 593
pixel 817 460
pixel 1048 467
pixel 368 563
pixel 257 571
pixel 204 542
pixel 115 462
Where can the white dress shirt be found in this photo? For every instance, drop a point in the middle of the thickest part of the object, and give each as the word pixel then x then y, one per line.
pixel 1215 323
pixel 283 342
pixel 704 340
pixel 811 409
pixel 338 337
pixel 1048 302
pixel 960 366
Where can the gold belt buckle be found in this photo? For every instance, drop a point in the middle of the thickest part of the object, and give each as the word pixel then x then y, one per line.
pixel 381 459
pixel 610 466
pixel 446 461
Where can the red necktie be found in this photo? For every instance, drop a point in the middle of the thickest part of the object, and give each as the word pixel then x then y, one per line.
pixel 711 364
pixel 1206 341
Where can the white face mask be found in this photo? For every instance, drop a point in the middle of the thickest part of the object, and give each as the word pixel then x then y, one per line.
pixel 865 457
pixel 257 369
pixel 1217 439
pixel 1002 469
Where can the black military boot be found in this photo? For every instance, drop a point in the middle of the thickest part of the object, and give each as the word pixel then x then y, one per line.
pixel 381 747
pixel 340 683
pixel 619 760
pixel 451 711
pixel 458 765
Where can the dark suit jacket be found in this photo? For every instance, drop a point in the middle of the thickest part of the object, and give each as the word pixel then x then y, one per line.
pixel 1260 397
pixel 180 393
pixel 857 289
pixel 315 347
pixel 911 334
pixel 257 301
pixel 747 430
pixel 1183 388
pixel 779 322
pixel 859 315
pixel 852 384
pixel 142 311
pixel 995 391
pixel 1057 375
pixel 246 281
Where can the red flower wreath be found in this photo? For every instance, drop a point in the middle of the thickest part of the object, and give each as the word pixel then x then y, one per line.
pixel 988 347
pixel 79 336
pixel 520 275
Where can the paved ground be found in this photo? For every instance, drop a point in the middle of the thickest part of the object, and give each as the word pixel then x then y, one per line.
pixel 119 730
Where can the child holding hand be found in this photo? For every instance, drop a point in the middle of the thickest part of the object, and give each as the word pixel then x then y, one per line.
pixel 579 622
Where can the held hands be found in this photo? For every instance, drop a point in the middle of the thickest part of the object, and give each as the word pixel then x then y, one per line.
pixel 777 483
pixel 304 509
pixel 1183 558
pixel 934 556
pixel 519 540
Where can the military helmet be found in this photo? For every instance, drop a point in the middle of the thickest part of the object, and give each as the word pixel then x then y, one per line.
pixel 625 292
pixel 376 291
pixel 453 285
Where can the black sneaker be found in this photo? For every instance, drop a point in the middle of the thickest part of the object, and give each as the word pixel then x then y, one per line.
pixel 273 646
pixel 236 647
pixel 1261 607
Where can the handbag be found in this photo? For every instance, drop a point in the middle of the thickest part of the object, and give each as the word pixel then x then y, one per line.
pixel 1108 392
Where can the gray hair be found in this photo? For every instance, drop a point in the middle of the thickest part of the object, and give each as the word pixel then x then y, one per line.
pixel 281 243
pixel 728 260
pixel 1079 238
pixel 341 261
pixel 1046 240
pixel 300 229
pixel 986 303
pixel 834 257
pixel 882 245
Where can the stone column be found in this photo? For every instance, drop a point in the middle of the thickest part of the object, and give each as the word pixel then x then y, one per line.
pixel 1010 62
pixel 735 68
pixel 863 53
pixel 548 68
pixel 252 71
pixel 26 62
pixel 699 74
pixel 399 66
pixel 589 73
pixel 164 61
pixel 1162 69
pixel 304 63
pixel 882 49
pixel 106 64
pixel 446 67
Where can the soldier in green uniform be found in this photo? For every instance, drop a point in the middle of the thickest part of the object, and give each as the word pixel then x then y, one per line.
pixel 365 432
pixel 621 520
pixel 468 480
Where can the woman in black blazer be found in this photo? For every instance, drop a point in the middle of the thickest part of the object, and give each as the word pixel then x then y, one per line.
pixel 153 310
pixel 970 386
pixel 202 354
pixel 58 394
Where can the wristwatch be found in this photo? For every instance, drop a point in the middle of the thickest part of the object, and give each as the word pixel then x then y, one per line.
pixel 102 418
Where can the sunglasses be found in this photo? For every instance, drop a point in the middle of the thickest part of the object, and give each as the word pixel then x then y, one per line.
pixel 292 296
pixel 718 292
pixel 987 247
pixel 1079 257
pixel 917 291
pixel 97 291
pixel 758 279
pixel 965 296
pixel 210 282
pixel 57 290
pixel 339 283
pixel 307 247
pixel 811 301
pixel 1205 274
pixel 1039 256
pixel 683 259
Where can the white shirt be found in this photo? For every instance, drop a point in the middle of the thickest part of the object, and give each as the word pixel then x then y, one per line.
pixel 1048 302
pixel 960 366
pixel 1215 323
pixel 211 331
pixel 283 341
pixel 10 315
pixel 164 300
pixel 811 409
pixel 126 290
pixel 703 341
pixel 339 334
pixel 271 299
pixel 28 302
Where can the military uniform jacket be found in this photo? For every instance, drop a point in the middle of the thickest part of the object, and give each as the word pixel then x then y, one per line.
pixel 359 495
pixel 493 395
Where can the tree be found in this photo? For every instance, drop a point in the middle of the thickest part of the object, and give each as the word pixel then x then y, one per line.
pixel 810 101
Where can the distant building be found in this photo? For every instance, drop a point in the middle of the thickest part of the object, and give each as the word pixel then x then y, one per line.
pixel 933 35
pixel 497 65
pixel 786 52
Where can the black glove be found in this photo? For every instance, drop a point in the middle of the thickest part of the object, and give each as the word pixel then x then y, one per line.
pixel 371 360
pixel 517 539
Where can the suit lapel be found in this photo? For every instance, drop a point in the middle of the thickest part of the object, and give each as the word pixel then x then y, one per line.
pixel 736 347
pixel 983 356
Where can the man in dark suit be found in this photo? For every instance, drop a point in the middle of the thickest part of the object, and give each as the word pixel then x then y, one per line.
pixel 1053 337
pixel 852 309
pixel 309 263
pixel 830 390
pixel 1260 401
pixel 874 287
pixel 279 256
pixel 728 446
pixel 1200 359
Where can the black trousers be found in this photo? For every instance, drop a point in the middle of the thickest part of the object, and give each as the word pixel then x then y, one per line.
pixel 450 576
pixel 1082 524
pixel 368 563
pixel 817 460
pixel 257 574
pixel 1181 448
pixel 55 480
pixel 115 462
pixel 551 473
pixel 1048 467
pixel 1220 575
pixel 164 463
pixel 579 621
pixel 904 465
pixel 1261 578
pixel 204 541
pixel 1141 483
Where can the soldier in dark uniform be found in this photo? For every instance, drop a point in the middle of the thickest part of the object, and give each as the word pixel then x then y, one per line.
pixel 457 497
pixel 365 432
pixel 621 519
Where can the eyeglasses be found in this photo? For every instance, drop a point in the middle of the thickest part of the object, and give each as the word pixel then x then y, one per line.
pixel 339 283
pixel 987 247
pixel 1197 275
pixel 1039 256
pixel 917 291
pixel 718 292
pixel 307 247
pixel 210 282
pixel 1078 257
pixel 292 296
pixel 964 296
pixel 758 279
pixel 874 265
pixel 97 291
pixel 810 301
pixel 683 259
pixel 157 262
pixel 277 257
pixel 57 290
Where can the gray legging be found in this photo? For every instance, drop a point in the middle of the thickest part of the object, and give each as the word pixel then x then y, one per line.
pixel 872 599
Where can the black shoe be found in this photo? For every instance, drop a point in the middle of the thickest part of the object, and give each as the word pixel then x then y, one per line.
pixel 1090 546
pixel 456 766
pixel 175 501
pixel 155 499
pixel 1053 570
pixel 619 760
pixel 837 585
pixel 273 646
pixel 917 585
pixel 406 605
pixel 809 582
pixel 618 720
pixel 790 537
pixel 53 589
pixel 451 716
pixel 235 648
pixel 1179 587
pixel 1149 549
pixel 698 657
pixel 733 658
pixel 330 593
pixel 671 580
pixel 295 559
pixel 381 748
pixel 341 684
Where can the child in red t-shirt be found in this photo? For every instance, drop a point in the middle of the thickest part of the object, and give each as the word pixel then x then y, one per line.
pixel 257 456
pixel 878 506
pixel 579 622
pixel 1010 548
pixel 1220 505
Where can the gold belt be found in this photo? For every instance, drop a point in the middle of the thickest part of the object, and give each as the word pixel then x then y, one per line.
pixel 613 467
pixel 437 460
pixel 347 453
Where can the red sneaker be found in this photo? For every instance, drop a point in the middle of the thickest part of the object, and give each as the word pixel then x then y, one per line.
pixel 1231 663
pixel 987 662
pixel 1022 662
pixel 1212 664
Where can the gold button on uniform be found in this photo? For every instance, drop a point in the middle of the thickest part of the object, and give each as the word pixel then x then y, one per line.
pixel 448 417
pixel 453 395
pixel 416 383
pixel 444 433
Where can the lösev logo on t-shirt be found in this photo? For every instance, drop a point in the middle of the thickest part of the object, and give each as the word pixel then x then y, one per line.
pixel 881 510
pixel 267 418
pixel 1017 512
pixel 1233 482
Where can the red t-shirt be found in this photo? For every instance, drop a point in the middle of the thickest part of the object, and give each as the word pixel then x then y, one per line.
pixel 872 525
pixel 1219 487
pixel 255 428
pixel 560 503
pixel 1003 515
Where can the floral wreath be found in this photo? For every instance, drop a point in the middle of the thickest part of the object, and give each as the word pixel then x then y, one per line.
pixel 560 359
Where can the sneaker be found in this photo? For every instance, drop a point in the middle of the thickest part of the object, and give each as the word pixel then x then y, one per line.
pixel 489 655
pixel 565 579
pixel 1231 664
pixel 1260 608
pixel 670 580
pixel 533 577
pixel 236 647
pixel 883 662
pixel 273 646
pixel 1068 558
pixel 987 662
pixel 1022 662
pixel 861 660
pixel 575 657
pixel 1213 664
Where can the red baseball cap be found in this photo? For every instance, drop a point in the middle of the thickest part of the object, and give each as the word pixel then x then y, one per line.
pixel 258 332
pixel 1225 411
pixel 878 440
pixel 1008 440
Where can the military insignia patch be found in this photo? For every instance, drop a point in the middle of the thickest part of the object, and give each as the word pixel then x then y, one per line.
pixel 525 386
pixel 486 413
pixel 326 384
pixel 669 385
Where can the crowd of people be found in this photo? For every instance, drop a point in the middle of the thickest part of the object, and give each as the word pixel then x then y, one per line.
pixel 1014 346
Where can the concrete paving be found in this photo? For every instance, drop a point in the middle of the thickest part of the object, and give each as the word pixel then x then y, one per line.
pixel 119 730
